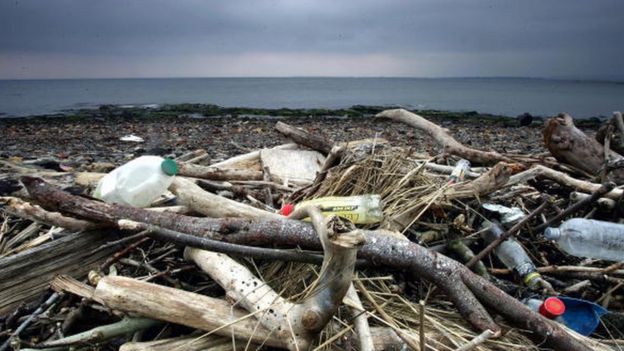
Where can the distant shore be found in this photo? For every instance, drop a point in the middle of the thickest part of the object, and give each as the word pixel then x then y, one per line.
pixel 84 137
pixel 496 96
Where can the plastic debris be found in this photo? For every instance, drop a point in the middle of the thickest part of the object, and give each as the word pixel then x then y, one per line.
pixel 589 238
pixel 132 138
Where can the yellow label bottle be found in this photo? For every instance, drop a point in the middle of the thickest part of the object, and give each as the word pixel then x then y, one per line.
pixel 359 209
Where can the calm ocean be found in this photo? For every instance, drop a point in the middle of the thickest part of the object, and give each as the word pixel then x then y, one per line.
pixel 506 96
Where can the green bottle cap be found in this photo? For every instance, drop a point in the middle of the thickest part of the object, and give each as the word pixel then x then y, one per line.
pixel 169 166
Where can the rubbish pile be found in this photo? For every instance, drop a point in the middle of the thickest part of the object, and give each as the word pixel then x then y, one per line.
pixel 317 245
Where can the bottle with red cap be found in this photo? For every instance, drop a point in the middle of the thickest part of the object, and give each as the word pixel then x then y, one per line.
pixel 551 308
pixel 360 209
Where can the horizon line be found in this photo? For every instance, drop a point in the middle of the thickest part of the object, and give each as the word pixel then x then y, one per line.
pixel 610 80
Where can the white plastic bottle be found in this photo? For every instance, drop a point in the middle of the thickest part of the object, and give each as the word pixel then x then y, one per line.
pixel 137 183
pixel 513 256
pixel 589 238
pixel 359 209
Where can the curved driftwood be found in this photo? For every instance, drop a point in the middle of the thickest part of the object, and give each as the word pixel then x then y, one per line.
pixel 443 138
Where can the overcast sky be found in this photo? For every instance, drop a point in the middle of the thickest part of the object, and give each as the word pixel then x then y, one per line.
pixel 418 38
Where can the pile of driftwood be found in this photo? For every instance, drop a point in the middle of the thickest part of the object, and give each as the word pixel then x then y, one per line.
pixel 213 266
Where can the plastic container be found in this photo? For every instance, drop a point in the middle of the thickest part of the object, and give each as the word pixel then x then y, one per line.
pixel 513 256
pixel 459 172
pixel 360 209
pixel 589 238
pixel 580 315
pixel 137 183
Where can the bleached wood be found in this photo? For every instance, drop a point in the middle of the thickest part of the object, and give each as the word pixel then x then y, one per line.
pixel 182 307
pixel 562 178
pixel 443 138
pixel 217 173
pixel 298 323
pixel 250 160
pixel 212 205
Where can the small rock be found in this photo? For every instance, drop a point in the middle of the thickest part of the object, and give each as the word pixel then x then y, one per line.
pixel 525 119
pixel 101 167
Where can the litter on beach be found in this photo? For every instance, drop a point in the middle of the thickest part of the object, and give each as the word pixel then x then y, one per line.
pixel 225 251
pixel 132 138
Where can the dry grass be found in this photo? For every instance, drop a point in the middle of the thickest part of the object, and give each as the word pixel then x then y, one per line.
pixel 399 176
pixel 445 329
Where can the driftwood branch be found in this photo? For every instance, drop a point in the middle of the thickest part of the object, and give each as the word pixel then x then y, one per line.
pixel 562 178
pixel 126 326
pixel 215 173
pixel 570 145
pixel 305 138
pixel 296 322
pixel 23 209
pixel 212 205
pixel 182 307
pixel 443 138
pixel 468 291
pixel 360 320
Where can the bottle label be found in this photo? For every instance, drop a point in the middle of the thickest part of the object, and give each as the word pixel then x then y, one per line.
pixel 344 211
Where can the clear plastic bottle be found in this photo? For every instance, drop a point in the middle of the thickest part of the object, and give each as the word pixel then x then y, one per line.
pixel 589 238
pixel 137 183
pixel 459 172
pixel 511 253
pixel 359 209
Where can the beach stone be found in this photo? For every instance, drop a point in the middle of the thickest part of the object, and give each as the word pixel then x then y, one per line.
pixel 525 119
pixel 101 167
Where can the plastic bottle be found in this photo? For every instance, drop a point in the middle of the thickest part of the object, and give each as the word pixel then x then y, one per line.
pixel 360 209
pixel 589 238
pixel 137 183
pixel 459 172
pixel 551 308
pixel 513 256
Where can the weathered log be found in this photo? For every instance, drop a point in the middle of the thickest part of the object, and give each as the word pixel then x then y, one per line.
pixel 302 137
pixel 562 178
pixel 23 209
pixel 298 323
pixel 215 173
pixel 26 275
pixel 570 145
pixel 467 290
pixel 383 338
pixel 442 138
pixel 213 205
pixel 182 307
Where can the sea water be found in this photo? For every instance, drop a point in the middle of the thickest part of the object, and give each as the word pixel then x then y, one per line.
pixel 503 96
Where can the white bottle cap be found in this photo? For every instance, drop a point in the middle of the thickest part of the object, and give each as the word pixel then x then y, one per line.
pixel 552 233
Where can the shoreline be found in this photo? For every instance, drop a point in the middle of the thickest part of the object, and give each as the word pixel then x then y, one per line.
pixel 88 136
pixel 193 110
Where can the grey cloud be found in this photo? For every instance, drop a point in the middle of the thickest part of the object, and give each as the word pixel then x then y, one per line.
pixel 134 29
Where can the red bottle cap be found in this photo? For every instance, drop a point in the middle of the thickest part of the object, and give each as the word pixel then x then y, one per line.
pixel 552 308
pixel 287 209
